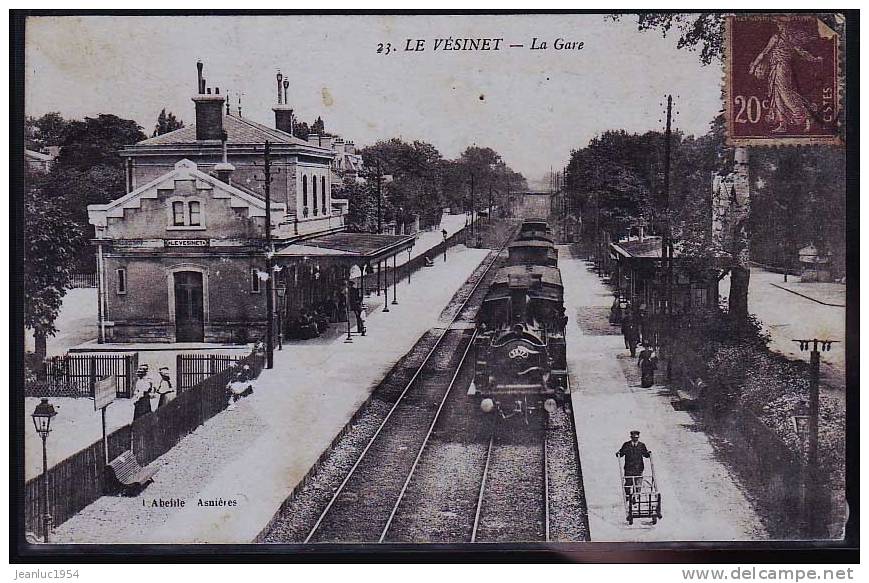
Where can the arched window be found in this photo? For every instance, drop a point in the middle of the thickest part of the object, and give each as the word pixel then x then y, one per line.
pixel 315 195
pixel 305 195
pixel 323 184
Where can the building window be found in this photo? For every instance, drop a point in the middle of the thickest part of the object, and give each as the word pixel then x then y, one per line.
pixel 305 195
pixel 186 215
pixel 122 281
pixel 314 181
pixel 255 281
pixel 178 213
pixel 323 184
pixel 194 215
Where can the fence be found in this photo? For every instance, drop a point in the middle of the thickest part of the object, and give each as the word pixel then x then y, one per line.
pixel 72 375
pixel 78 481
pixel 83 280
pixel 192 369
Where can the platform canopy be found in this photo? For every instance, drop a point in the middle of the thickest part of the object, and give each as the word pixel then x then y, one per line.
pixel 348 248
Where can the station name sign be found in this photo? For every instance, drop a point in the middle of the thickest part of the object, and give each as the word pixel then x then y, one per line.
pixel 185 242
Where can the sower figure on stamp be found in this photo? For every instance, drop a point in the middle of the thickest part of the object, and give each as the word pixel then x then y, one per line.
pixel 633 451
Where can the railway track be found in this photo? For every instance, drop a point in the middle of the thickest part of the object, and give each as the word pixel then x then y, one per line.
pixel 513 503
pixel 417 476
pixel 375 485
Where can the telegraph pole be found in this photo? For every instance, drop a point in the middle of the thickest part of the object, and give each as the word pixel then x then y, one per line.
pixel 812 487
pixel 472 206
pixel 667 244
pixel 379 197
pixel 270 308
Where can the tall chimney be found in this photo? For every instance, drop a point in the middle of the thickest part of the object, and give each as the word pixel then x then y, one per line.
pixel 279 77
pixel 200 82
pixel 283 112
pixel 224 169
pixel 209 110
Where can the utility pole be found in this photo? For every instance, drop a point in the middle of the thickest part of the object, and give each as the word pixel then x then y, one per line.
pixel 667 244
pixel 490 203
pixel 379 197
pixel 270 308
pixel 812 487
pixel 472 206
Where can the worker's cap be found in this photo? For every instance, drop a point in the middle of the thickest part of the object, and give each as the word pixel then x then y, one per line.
pixel 164 369
pixel 635 433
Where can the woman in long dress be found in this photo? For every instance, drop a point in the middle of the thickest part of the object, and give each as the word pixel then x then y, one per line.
pixel 647 363
pixel 165 388
pixel 787 106
pixel 142 394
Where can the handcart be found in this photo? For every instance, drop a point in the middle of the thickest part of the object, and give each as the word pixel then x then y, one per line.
pixel 640 494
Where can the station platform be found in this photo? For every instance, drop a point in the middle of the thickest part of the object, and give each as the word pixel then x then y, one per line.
pixel 247 460
pixel 701 499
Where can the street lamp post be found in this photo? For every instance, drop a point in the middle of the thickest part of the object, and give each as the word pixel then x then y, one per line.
pixel 812 486
pixel 349 338
pixel 444 234
pixel 42 416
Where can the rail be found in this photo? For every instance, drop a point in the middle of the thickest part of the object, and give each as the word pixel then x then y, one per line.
pixel 404 392
pixel 426 440
pixel 482 491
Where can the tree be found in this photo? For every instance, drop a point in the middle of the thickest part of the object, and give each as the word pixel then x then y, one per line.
pixel 48 130
pixel 703 30
pixel 89 171
pixel 166 122
pixel 51 243
pixel 318 127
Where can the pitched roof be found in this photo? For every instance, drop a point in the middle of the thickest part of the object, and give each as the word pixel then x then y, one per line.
pixel 184 170
pixel 239 130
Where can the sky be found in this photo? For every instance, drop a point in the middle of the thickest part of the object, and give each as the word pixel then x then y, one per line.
pixel 532 106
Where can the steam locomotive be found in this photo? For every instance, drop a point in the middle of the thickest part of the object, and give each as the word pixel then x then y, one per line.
pixel 520 365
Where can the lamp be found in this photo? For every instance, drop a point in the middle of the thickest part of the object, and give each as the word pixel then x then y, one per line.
pixel 42 416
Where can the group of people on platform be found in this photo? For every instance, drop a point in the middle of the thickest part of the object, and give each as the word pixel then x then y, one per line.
pixel 632 330
pixel 315 319
pixel 147 388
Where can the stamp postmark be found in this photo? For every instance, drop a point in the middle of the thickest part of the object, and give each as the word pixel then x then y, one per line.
pixel 782 81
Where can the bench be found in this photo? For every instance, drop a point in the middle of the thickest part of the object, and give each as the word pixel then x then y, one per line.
pixel 124 474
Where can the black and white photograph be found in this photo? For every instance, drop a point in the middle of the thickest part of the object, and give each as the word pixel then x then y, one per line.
pixel 438 282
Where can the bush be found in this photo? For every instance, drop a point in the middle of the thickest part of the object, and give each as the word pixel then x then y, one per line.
pixel 742 373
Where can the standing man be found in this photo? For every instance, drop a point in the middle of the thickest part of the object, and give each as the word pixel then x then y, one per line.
pixel 356 306
pixel 633 451
pixel 630 332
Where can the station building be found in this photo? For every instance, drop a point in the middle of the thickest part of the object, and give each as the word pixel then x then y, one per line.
pixel 182 256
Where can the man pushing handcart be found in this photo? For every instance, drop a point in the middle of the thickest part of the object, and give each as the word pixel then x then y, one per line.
pixel 642 499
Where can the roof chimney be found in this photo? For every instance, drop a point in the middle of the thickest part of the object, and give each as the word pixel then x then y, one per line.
pixel 314 139
pixel 224 169
pixel 209 110
pixel 283 112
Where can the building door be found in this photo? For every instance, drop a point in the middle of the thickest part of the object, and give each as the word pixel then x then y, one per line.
pixel 189 313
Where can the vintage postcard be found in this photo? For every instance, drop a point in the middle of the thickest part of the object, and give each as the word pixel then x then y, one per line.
pixel 293 281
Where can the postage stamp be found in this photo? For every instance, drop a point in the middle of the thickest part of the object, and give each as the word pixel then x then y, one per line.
pixel 782 81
